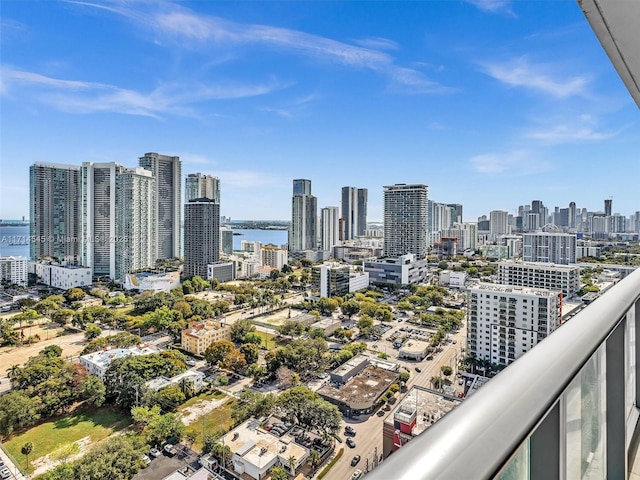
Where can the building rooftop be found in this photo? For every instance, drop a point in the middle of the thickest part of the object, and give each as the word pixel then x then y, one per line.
pixel 367 385
pixel 104 357
pixel 416 346
pixel 198 329
pixel 538 265
pixel 492 287
pixel 427 405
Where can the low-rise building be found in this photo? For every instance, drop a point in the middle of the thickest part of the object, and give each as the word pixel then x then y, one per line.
pixel 327 325
pixel 155 282
pixel 14 270
pixel 221 271
pixel 404 270
pixel 449 278
pixel 98 362
pixel 193 376
pixel 418 410
pixel 256 451
pixel 198 336
pixel 414 350
pixel 273 257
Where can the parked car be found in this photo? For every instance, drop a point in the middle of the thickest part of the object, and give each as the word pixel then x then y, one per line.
pixel 5 473
pixel 355 460
pixel 357 474
pixel 348 430
pixel 170 450
pixel 146 459
pixel 155 452
pixel 351 443
pixel 418 369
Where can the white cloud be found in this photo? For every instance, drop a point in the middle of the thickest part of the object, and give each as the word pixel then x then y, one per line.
pixel 522 73
pixel 377 43
pixel 568 133
pixel 513 163
pixel 173 22
pixel 88 97
pixel 493 6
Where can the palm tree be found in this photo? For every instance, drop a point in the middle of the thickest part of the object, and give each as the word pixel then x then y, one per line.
pixel 292 460
pixel 27 448
pixel 314 457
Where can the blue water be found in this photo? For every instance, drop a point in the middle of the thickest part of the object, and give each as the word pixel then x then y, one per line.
pixel 20 234
pixel 277 237
pixel 14 235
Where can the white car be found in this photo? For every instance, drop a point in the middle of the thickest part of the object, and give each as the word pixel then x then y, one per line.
pixel 5 473
pixel 357 474
pixel 146 459
pixel 155 452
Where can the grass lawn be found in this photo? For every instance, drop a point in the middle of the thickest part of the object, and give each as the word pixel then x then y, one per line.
pixel 201 397
pixel 268 340
pixel 212 422
pixel 50 435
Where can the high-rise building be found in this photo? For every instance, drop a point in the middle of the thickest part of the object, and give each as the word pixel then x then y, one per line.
pixel 302 187
pixel 506 321
pixel 549 247
pixel 226 240
pixel 329 228
pixel 99 217
pixel 304 212
pixel 167 171
pixel 405 220
pixel 197 185
pixel 135 221
pixel 201 236
pixel 572 215
pixel 55 212
pixel 565 278
pixel 498 223
pixel 354 212
pixel 607 207
pixel 456 212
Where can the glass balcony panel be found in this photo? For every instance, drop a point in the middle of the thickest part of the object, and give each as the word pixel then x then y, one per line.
pixel 518 467
pixel 630 374
pixel 585 421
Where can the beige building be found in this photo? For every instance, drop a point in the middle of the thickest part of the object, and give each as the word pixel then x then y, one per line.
pixel 197 337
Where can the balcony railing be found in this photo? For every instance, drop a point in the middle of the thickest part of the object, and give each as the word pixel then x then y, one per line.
pixel 565 410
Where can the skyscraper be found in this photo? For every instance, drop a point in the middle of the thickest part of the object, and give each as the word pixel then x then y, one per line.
pixel 201 236
pixel 607 207
pixel 572 215
pixel 304 211
pixel 549 247
pixel 329 226
pixel 405 220
pixel 55 206
pixel 167 172
pixel 354 212
pixel 498 223
pixel 99 217
pixel 135 221
pixel 198 185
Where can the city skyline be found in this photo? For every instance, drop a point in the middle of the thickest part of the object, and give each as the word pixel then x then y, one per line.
pixel 518 101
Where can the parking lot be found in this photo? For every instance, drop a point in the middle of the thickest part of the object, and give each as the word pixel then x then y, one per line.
pixel 164 465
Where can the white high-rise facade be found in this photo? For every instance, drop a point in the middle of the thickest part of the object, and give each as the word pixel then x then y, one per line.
pixel 546 247
pixel 304 211
pixel 498 223
pixel 167 171
pixel 197 185
pixel 329 227
pixel 55 212
pixel 405 220
pixel 99 236
pixel 135 221
pixel 506 321
pixel 354 212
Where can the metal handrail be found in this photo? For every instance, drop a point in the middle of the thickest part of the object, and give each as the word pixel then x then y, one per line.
pixel 478 438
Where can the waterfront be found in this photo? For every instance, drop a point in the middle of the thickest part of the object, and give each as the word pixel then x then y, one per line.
pixel 20 235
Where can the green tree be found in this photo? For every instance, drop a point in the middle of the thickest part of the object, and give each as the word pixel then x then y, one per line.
pixel 314 458
pixel 217 351
pixel 251 352
pixel 446 370
pixel 119 457
pixel 92 331
pixel 93 390
pixel 240 329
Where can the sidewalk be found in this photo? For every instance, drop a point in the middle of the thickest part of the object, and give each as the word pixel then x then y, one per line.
pixel 10 465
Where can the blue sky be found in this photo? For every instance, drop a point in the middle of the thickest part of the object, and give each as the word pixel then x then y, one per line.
pixel 491 103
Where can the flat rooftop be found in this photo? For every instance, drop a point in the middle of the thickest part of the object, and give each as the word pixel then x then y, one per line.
pixel 428 405
pixel 493 287
pixel 367 385
pixel 414 346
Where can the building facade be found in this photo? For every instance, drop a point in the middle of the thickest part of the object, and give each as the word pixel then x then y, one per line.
pixel 332 279
pixel 506 321
pixel 404 270
pixel 273 257
pixel 354 212
pixel 55 200
pixel 201 236
pixel 99 234
pixel 167 171
pixel 405 220
pixel 549 276
pixel 329 228
pixel 304 211
pixel 135 221
pixel 61 276
pixel 14 270
pixel 197 185
pixel 198 336
pixel 546 247
pixel 226 240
